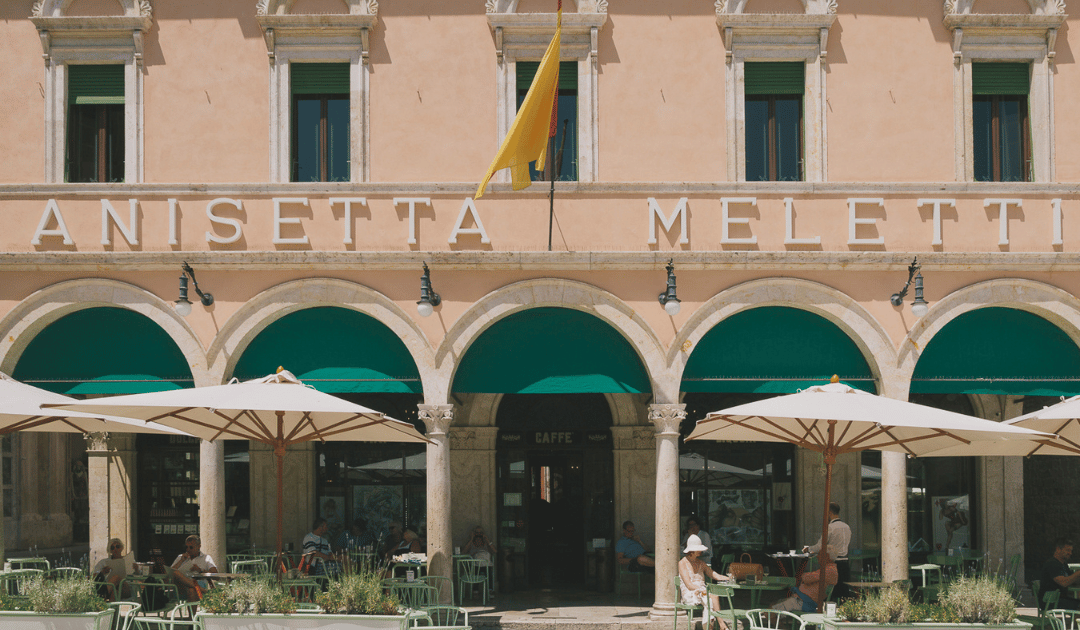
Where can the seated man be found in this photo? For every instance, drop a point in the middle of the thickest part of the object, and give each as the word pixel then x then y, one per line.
pixel 317 549
pixel 629 551
pixel 189 565
pixel 1055 574
pixel 806 598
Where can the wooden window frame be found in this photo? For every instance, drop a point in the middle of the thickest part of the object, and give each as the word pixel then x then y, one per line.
pixel 101 171
pixel 995 134
pixel 324 134
pixel 771 135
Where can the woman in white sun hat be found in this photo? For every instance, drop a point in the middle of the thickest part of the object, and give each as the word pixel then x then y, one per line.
pixel 692 572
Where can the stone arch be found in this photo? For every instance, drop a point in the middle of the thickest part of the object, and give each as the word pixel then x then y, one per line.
pixel 47 305
pixel 833 305
pixel 281 300
pixel 284 7
pixel 579 296
pixel 1055 305
pixel 58 8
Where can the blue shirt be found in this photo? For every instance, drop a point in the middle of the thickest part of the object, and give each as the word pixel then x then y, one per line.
pixel 629 547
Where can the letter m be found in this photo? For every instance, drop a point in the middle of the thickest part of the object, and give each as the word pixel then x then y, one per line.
pixel 655 213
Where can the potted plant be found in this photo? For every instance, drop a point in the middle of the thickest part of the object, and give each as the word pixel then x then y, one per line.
pixel 981 602
pixel 67 603
pixel 263 603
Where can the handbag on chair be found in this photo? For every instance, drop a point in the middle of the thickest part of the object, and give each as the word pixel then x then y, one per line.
pixel 744 567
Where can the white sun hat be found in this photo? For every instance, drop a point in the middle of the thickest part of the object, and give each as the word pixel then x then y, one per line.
pixel 693 543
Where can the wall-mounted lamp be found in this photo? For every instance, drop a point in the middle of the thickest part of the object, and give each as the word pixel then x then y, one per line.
pixel 919 306
pixel 668 297
pixel 182 304
pixel 429 299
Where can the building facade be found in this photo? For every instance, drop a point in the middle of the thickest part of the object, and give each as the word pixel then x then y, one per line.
pixel 777 165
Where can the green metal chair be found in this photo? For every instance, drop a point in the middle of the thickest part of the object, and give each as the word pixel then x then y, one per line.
pixel 729 615
pixel 725 562
pixel 624 575
pixel 64 573
pixel 41 564
pixel 155 596
pixel 444 586
pixel 179 617
pixel 768 619
pixel 690 609
pixel 255 566
pixel 416 595
pixel 1063 619
pixel 302 589
pixel 1046 600
pixel 445 617
pixel 469 573
pixel 125 613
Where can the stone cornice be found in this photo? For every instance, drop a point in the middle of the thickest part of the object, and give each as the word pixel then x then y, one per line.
pixel 324 24
pixel 102 25
pixel 780 23
pixel 544 23
pixel 549 262
pixel 997 22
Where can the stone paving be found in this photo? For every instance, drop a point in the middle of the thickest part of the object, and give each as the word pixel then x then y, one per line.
pixel 564 610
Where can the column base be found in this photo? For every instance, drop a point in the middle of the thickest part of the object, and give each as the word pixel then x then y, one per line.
pixel 662 611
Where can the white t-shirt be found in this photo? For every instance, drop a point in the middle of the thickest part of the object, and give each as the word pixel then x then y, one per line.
pixel 199 564
pixel 122 566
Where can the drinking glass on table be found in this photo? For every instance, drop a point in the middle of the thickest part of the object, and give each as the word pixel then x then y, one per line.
pixel 765 569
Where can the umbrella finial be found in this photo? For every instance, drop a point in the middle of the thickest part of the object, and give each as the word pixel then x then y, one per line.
pixel 280 369
pixel 834 379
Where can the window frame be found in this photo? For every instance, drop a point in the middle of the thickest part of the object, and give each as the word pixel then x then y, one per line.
pixel 772 138
pixel 996 163
pixel 324 135
pixel 542 176
pixel 525 37
pixel 106 130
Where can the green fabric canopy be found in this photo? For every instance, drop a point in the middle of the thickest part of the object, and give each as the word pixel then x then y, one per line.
pixel 103 350
pixel 774 350
pixel 335 350
pixel 551 350
pixel 999 350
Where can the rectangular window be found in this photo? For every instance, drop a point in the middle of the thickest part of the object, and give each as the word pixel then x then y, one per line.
pixel 95 129
pixel 774 104
pixel 1001 142
pixel 565 161
pixel 320 122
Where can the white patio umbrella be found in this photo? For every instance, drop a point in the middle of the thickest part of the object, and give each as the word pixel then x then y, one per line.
pixel 835 419
pixel 1062 421
pixel 21 410
pixel 277 410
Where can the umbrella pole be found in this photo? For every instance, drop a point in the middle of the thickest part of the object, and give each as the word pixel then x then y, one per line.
pixel 829 454
pixel 279 457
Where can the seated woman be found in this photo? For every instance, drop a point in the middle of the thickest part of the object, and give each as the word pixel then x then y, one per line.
pixel 805 598
pixel 692 572
pixel 114 568
pixel 479 546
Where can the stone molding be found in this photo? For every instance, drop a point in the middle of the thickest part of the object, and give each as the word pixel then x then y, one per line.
pixel 436 418
pixel 810 7
pixel 1038 7
pixel 510 6
pixel 284 7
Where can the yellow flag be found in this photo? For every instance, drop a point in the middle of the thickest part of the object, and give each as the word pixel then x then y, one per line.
pixel 528 136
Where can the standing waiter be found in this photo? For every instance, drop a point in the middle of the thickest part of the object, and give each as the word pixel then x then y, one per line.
pixel 839 539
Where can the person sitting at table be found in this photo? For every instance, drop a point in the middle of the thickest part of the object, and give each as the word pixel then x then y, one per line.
pixel 806 597
pixel 838 542
pixel 692 572
pixel 393 539
pixel 410 543
pixel 190 564
pixel 317 549
pixel 693 528
pixel 630 551
pixel 479 546
pixel 114 568
pixel 357 537
pixel 1055 574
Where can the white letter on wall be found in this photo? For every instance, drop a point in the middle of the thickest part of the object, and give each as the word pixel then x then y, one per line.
pixel 1056 205
pixel 130 232
pixel 937 215
pixel 174 210
pixel 468 208
pixel 725 222
pixel 237 230
pixel 279 221
pixel 789 235
pixel 51 211
pixel 656 213
pixel 412 201
pixel 1003 215
pixel 348 201
pixel 853 222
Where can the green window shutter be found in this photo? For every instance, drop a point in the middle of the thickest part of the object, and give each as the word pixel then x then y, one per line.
pixel 774 77
pixel 320 78
pixel 999 79
pixel 526 70
pixel 96 85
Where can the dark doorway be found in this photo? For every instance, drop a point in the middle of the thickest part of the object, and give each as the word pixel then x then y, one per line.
pixel 555 489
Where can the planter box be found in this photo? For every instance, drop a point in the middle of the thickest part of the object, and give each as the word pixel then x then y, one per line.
pixel 12 620
pixel 832 624
pixel 302 621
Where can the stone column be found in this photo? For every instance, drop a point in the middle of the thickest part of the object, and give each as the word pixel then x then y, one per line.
pixel 212 500
pixel 111 463
pixel 894 508
pixel 437 420
pixel 666 418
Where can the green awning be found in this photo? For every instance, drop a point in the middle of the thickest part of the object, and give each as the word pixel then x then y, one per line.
pixel 773 78
pixel 551 350
pixel 993 79
pixel 96 84
pixel 335 350
pixel 319 78
pixel 999 351
pixel 774 350
pixel 526 72
pixel 104 350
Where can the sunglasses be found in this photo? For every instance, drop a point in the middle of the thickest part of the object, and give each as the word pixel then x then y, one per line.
pixel 190 546
pixel 117 547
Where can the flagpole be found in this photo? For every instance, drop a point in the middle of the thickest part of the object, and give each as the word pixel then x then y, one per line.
pixel 551 195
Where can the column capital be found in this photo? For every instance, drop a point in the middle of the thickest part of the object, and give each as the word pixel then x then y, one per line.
pixel 667 417
pixel 436 418
pixel 97 444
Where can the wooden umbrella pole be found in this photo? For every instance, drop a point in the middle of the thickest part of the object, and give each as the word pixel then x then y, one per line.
pixel 823 554
pixel 279 457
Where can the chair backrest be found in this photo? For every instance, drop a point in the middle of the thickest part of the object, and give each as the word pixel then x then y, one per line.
pixel 1064 619
pixel 767 619
pixel 125 612
pixel 725 560
pixel 415 595
pixel 1049 600
pixel 302 589
pixel 724 593
pixel 442 584
pixel 469 570
pixel 255 566
pixel 61 573
pixel 447 615
pixel 42 564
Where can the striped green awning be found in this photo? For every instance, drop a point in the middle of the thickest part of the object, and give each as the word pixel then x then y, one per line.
pixel 774 77
pixel 990 79
pixel 96 84
pixel 319 78
pixel 526 70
